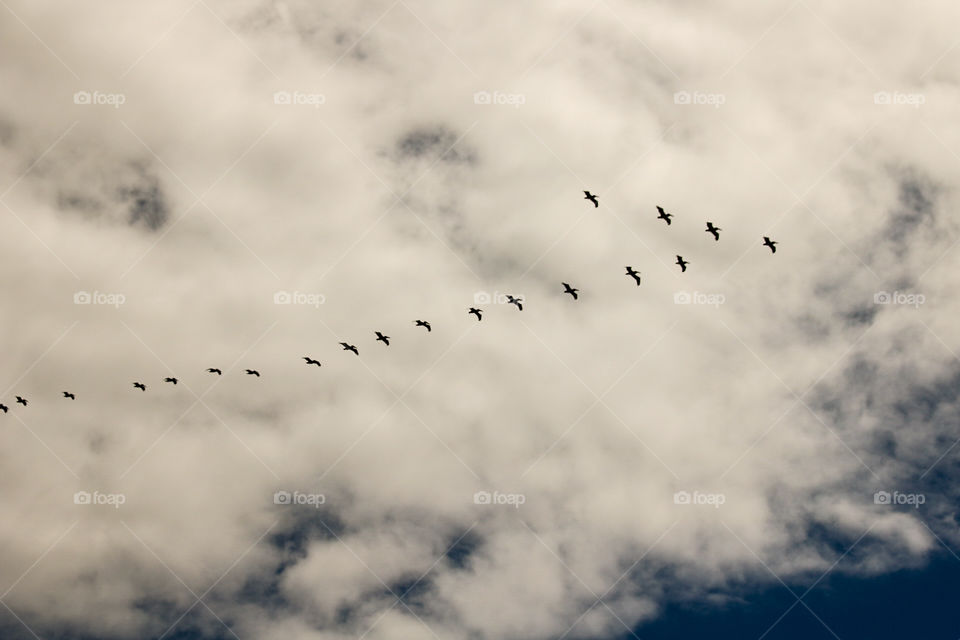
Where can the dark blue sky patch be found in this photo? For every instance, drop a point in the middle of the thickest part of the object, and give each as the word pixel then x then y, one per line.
pixel 919 603
pixel 411 591
pixel 305 526
pixel 461 549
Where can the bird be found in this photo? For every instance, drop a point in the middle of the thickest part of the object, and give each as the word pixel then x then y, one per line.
pixel 312 361
pixel 516 301
pixel 4 408
pixel 216 371
pixel 170 380
pixel 767 242
pixel 423 323
pixel 592 198
pixel 476 312
pixel 568 289
pixel 140 385
pixel 67 394
pixel 21 401
pixel 683 263
pixel 664 215
pixel 253 372
pixel 634 274
pixel 349 347
pixel 714 230
pixel 382 338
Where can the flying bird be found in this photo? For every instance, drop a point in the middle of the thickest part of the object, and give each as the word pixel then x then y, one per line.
pixel 592 198
pixel 349 347
pixel 714 230
pixel 683 263
pixel 170 380
pixel 634 274
pixel 568 289
pixel 423 323
pixel 312 361
pixel 382 338
pixel 21 401
pixel 767 242
pixel 253 372
pixel 476 312
pixel 140 385
pixel 67 394
pixel 216 371
pixel 4 408
pixel 512 300
pixel 664 215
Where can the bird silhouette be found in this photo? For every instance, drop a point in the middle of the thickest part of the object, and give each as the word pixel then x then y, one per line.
pixel 4 408
pixel 21 401
pixel 349 347
pixel 312 361
pixel 216 371
pixel 714 230
pixel 664 215
pixel 634 274
pixel 67 394
pixel 140 385
pixel 767 242
pixel 170 380
pixel 568 289
pixel 253 372
pixel 516 301
pixel 382 338
pixel 592 198
pixel 476 312
pixel 683 263
pixel 423 323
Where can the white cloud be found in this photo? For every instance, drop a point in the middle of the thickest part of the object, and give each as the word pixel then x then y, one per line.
pixel 398 198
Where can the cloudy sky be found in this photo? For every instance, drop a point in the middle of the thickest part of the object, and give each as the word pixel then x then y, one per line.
pixel 236 185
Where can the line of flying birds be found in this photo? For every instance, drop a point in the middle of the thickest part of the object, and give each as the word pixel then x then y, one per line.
pixel 518 302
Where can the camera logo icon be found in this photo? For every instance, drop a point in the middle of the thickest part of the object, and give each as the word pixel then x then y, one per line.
pixel 282 497
pixel 881 297
pixel 681 497
pixel 882 97
pixel 681 297
pixel 481 497
pixel 81 97
pixel 282 297
pixel 681 97
pixel 82 297
pixel 482 97
pixel 481 297
pixel 81 497
pixel 282 97
pixel 881 497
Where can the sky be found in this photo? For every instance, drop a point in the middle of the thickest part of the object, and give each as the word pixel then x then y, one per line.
pixel 237 185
